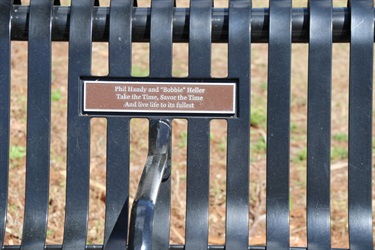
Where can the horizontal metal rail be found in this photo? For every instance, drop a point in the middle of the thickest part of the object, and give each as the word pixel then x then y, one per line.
pixel 172 247
pixel 141 24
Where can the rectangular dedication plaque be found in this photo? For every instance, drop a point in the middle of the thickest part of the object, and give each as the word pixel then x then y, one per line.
pixel 159 97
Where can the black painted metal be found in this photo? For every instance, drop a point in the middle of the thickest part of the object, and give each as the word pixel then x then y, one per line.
pixel 38 126
pixel 319 125
pixel 360 125
pixel 118 131
pixel 141 24
pixel 237 191
pixel 161 67
pixel 161 38
pixel 143 211
pixel 172 247
pixel 78 155
pixel 198 147
pixel 320 25
pixel 5 11
pixel 278 124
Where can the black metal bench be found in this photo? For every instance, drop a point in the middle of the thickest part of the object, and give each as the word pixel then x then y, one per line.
pixel 84 22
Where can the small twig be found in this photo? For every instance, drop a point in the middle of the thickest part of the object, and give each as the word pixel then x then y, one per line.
pixel 94 184
pixel 9 231
pixel 179 236
pixel 339 165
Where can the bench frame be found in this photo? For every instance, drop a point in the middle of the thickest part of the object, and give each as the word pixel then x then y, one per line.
pixel 282 25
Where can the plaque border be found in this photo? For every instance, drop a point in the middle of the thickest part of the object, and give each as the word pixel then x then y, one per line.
pixel 162 81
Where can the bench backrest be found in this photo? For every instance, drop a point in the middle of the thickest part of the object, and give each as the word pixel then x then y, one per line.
pixel 45 22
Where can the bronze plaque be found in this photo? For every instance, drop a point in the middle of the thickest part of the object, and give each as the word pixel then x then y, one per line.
pixel 159 97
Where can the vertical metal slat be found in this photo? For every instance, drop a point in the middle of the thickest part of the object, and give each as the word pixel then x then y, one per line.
pixel 78 155
pixel 237 187
pixel 360 124
pixel 5 17
pixel 319 125
pixel 278 122
pixel 161 66
pixel 38 126
pixel 161 38
pixel 198 160
pixel 118 137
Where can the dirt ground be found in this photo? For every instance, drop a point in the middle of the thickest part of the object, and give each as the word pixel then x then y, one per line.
pixel 139 144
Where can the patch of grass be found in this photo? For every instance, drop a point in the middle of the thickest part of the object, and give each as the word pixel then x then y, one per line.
pixel 139 71
pixel 22 106
pixel 341 137
pixel 56 95
pixel 260 146
pixel 301 155
pixel 178 73
pixel 183 177
pixel 293 126
pixel 258 118
pixel 12 208
pixel 338 153
pixel 300 183
pixel 222 145
pixel 291 205
pixel 62 184
pixel 212 136
pixel 183 139
pixel 17 152
pixel 263 86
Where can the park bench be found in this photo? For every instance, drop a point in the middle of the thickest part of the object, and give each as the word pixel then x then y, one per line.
pixel 199 98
